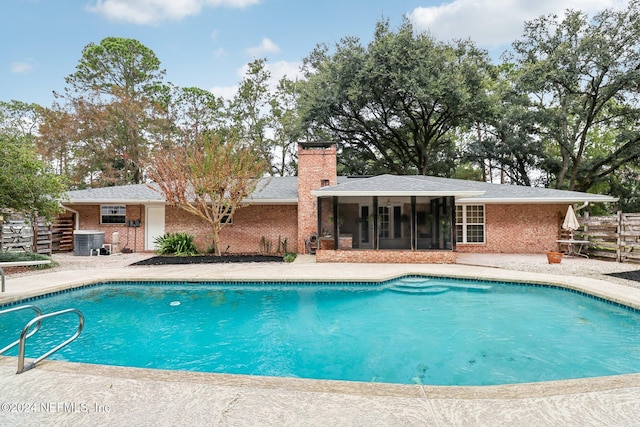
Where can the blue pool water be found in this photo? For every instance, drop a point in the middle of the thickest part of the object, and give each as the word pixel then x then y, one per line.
pixel 411 330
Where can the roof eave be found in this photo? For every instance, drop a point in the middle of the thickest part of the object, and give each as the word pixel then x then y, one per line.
pixel 270 201
pixel 149 201
pixel 112 201
pixel 535 200
pixel 329 193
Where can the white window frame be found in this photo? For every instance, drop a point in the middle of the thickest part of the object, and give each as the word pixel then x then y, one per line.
pixel 466 223
pixel 392 218
pixel 384 227
pixel 226 219
pixel 112 211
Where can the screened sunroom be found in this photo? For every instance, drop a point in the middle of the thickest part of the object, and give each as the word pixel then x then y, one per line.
pixel 388 212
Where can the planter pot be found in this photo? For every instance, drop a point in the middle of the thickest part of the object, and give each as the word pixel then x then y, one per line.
pixel 326 243
pixel 554 257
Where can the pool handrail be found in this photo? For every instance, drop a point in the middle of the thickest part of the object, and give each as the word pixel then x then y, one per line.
pixel 38 312
pixel 18 264
pixel 23 338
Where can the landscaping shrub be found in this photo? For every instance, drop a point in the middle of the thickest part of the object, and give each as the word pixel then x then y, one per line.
pixel 290 256
pixel 179 244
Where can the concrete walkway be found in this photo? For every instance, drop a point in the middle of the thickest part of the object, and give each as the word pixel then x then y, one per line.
pixel 59 393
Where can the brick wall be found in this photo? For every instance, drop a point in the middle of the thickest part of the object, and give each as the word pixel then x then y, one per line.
pixel 315 165
pixel 519 228
pixel 250 225
pixel 89 219
pixel 387 256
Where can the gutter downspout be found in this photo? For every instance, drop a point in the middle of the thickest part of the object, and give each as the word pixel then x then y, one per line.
pixel 77 215
pixel 584 205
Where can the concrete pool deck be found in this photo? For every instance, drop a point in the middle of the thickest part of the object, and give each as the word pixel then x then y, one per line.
pixel 79 394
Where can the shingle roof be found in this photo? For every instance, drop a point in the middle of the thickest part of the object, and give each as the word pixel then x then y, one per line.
pixel 276 189
pixel 395 185
pixel 284 190
pixel 134 193
pixel 272 190
pixel 464 191
pixel 507 193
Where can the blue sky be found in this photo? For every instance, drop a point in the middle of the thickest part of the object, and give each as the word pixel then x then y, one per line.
pixel 207 43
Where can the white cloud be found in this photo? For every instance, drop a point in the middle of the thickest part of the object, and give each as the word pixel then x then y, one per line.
pixel 232 3
pixel 266 46
pixel 146 11
pixel 21 67
pixel 492 23
pixel 155 11
pixel 280 69
pixel 277 69
pixel 226 92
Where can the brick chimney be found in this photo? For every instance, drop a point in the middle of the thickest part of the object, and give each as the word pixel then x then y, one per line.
pixel 316 168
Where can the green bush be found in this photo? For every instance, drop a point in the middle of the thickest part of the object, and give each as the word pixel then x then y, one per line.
pixel 290 257
pixel 178 244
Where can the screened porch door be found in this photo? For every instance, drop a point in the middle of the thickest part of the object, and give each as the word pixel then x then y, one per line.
pixel 366 227
pixel 391 233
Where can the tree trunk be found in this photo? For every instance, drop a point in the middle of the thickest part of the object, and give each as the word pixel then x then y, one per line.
pixel 215 240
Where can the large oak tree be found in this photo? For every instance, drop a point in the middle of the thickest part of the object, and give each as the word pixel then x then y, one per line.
pixel 583 77
pixel 395 104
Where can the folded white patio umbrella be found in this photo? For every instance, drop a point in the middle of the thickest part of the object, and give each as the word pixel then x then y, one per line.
pixel 570 221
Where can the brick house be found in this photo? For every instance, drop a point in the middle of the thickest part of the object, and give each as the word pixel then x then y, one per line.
pixel 382 218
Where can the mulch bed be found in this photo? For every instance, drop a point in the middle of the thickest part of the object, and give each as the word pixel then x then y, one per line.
pixel 207 259
pixel 628 275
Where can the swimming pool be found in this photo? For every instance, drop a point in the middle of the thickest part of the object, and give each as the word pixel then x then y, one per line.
pixel 410 330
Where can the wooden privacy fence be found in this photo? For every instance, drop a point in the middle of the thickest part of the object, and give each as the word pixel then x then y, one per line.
pixel 615 237
pixel 62 233
pixel 20 236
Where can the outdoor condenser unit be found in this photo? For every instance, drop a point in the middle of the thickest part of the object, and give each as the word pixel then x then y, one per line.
pixel 85 241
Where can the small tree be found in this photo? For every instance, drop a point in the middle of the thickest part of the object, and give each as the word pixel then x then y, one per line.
pixel 210 181
pixel 26 184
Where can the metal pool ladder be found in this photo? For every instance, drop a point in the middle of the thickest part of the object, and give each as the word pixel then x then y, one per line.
pixel 37 320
